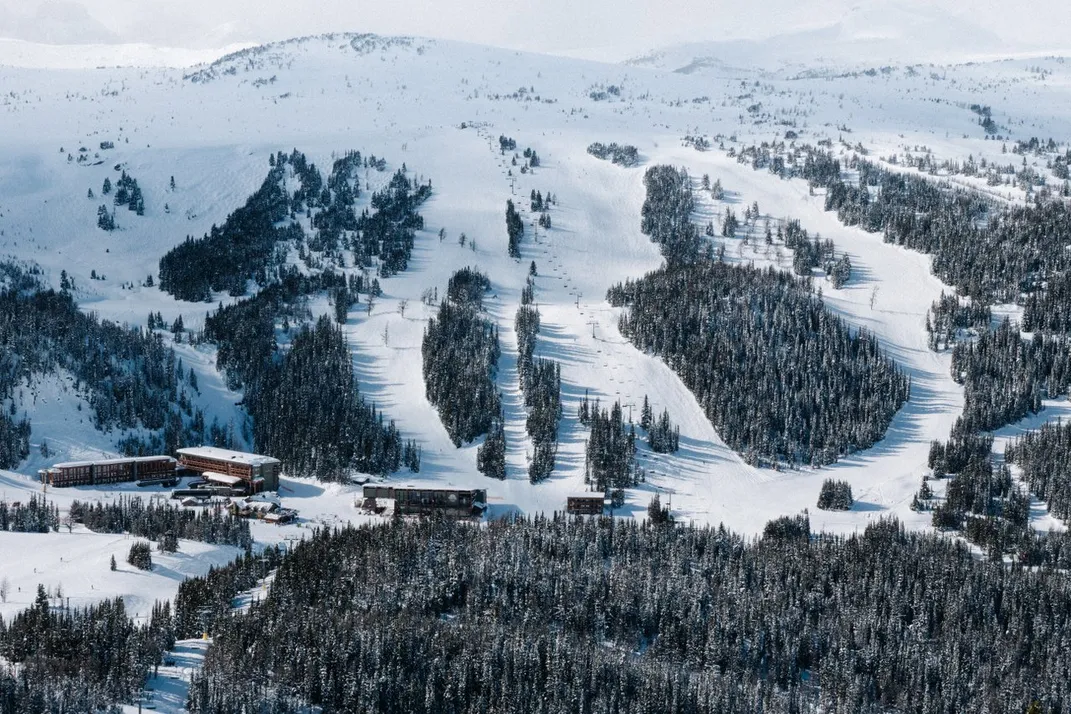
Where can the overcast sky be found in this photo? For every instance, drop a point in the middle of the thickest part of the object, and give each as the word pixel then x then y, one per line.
pixel 540 25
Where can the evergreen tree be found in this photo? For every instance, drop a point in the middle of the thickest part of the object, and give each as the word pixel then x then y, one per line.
pixel 460 356
pixel 781 378
pixel 140 555
pixel 514 229
pixel 491 456
pixel 835 496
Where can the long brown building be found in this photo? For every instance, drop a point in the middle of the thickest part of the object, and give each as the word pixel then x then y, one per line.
pixel 93 473
pixel 585 504
pixel 260 472
pixel 426 500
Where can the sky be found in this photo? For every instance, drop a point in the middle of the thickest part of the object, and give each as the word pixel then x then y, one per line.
pixel 553 26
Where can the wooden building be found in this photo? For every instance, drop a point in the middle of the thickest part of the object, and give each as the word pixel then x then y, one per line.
pixel 93 473
pixel 261 473
pixel 428 500
pixel 252 508
pixel 585 504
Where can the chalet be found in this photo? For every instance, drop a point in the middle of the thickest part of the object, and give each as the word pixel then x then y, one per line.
pixel 94 473
pixel 585 504
pixel 428 500
pixel 260 473
pixel 248 508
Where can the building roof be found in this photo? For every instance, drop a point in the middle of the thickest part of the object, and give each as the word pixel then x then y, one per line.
pixel 221 478
pixel 426 487
pixel 587 495
pixel 238 457
pixel 101 462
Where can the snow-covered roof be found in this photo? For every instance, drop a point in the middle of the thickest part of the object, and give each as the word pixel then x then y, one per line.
pixel 221 478
pixel 427 487
pixel 586 494
pixel 263 497
pixel 238 457
pixel 101 462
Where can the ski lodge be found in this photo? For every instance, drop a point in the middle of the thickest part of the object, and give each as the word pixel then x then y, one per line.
pixel 424 501
pixel 93 473
pixel 585 504
pixel 260 473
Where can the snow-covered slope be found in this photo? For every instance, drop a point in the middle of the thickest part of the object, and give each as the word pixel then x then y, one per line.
pixel 439 108
pixel 864 35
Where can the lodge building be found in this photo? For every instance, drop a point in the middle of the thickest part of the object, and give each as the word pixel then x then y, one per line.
pixel 261 473
pixel 427 500
pixel 585 504
pixel 94 473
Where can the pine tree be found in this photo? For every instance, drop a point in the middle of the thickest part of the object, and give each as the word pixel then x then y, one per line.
pixel 140 555
pixel 646 415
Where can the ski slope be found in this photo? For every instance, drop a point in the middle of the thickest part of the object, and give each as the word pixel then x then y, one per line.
pixel 439 108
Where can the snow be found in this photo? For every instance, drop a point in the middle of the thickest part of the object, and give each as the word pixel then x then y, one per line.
pixel 78 564
pixel 137 459
pixel 21 53
pixel 239 457
pixel 407 100
pixel 599 28
pixel 168 689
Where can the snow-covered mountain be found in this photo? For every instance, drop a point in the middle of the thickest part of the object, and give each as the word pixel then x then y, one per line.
pixel 438 108
pixel 909 30
pixel 865 35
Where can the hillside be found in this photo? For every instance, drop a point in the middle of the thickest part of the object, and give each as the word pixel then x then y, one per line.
pixel 439 109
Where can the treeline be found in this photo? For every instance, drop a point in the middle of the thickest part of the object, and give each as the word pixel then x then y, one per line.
pixel 34 516
pixel 835 496
pixel 1011 254
pixel 131 381
pixel 620 154
pixel 610 450
pixel 55 659
pixel 254 240
pixel 781 378
pixel 460 355
pixel 307 412
pixel 604 615
pixel 155 521
pixel 990 254
pixel 950 318
pixel 514 230
pixel 386 232
pixel 305 404
pixel 202 602
pixel 540 381
pixel 1005 377
pixel 1044 461
pixel 666 213
pixel 389 231
pixel 662 435
pixel 242 249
